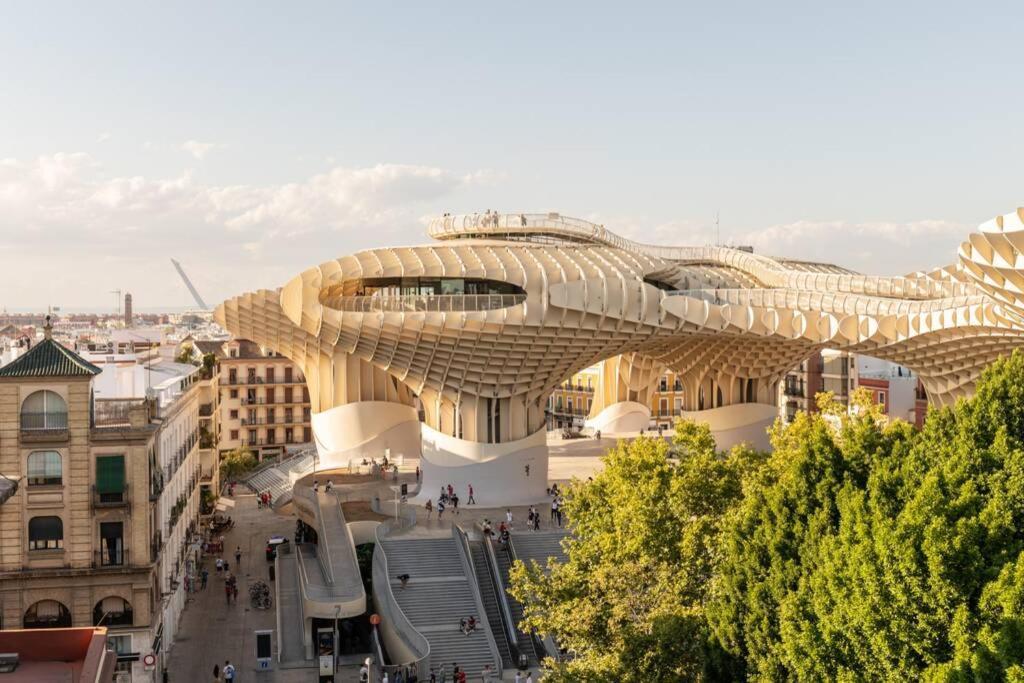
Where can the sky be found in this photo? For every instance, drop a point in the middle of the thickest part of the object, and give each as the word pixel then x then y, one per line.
pixel 253 140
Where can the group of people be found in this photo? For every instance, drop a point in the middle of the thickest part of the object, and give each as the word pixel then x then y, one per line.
pixel 448 498
pixel 468 624
pixel 225 675
pixel 264 499
pixel 328 487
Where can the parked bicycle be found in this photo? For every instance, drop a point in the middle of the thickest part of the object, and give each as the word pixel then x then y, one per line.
pixel 259 594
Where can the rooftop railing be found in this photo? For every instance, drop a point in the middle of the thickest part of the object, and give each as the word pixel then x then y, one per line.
pixel 429 303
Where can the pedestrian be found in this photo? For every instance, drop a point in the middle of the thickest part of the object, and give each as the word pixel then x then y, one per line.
pixel 220 566
pixel 554 508
pixel 471 500
pixel 529 677
pixel 536 521
pixel 451 490
pixel 227 566
pixel 455 503
pixel 508 517
pixel 527 468
pixel 404 578
pixel 519 677
pixel 229 671
pixel 270 499
pixel 529 517
pixel 238 556
pixel 316 486
pixel 430 509
pixel 204 577
pixel 259 501
pixel 384 677
pixel 440 509
pixel 417 473
pixel 234 590
pixel 227 592
pixel 329 486
pixel 487 673
pixel 433 676
pixel 216 673
pixel 364 673
pixel 461 676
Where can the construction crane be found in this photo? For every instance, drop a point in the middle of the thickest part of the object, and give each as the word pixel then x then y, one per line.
pixel 118 293
pixel 188 283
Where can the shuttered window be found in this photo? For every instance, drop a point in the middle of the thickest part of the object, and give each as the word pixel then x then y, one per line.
pixel 110 474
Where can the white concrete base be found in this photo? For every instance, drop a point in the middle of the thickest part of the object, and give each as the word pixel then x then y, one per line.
pixel 624 416
pixel 356 431
pixel 740 423
pixel 497 471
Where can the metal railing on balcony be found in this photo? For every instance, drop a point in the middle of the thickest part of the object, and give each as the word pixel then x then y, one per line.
pixel 249 381
pixel 110 558
pixel 109 499
pixel 206 410
pixel 48 421
pixel 425 303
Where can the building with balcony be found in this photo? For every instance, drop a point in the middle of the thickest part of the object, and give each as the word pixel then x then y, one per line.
pixel 264 402
pixel 100 526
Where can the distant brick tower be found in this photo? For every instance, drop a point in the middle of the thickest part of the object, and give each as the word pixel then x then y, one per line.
pixel 127 310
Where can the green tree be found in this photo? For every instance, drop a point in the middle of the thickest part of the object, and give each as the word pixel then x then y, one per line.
pixel 629 601
pixel 236 462
pixel 867 551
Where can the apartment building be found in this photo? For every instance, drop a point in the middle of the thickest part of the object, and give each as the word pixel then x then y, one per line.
pixel 570 402
pixel 99 512
pixel 264 402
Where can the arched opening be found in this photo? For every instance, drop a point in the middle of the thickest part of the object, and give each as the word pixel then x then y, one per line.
pixel 44 410
pixel 44 468
pixel 45 533
pixel 47 614
pixel 112 611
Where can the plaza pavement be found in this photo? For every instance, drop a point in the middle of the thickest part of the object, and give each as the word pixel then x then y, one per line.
pixel 212 631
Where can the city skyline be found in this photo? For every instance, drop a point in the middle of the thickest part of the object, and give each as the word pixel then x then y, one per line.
pixel 247 148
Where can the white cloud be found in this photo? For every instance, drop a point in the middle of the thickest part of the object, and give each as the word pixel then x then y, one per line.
pixel 103 137
pixel 92 231
pixel 197 149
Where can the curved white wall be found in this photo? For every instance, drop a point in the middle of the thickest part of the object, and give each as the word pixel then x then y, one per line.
pixel 364 430
pixel 497 471
pixel 621 417
pixel 743 422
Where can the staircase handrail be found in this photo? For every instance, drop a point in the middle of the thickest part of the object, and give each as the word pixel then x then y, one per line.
pixel 465 555
pixel 534 638
pixel 389 606
pixel 509 623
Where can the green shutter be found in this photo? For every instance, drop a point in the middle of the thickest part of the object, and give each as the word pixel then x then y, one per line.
pixel 110 474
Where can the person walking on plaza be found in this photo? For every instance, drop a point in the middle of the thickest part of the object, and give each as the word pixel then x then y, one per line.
pixel 216 673
pixel 455 503
pixel 508 517
pixel 440 509
pixel 536 521
pixel 554 508
pixel 229 671
pixel 471 500
pixel 227 590
pixel 204 577
pixel 220 566
pixel 238 558
pixel 429 508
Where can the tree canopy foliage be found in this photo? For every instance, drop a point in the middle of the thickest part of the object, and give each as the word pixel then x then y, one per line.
pixel 236 462
pixel 859 549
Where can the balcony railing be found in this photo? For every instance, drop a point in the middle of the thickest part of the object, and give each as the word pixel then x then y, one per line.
pixel 206 410
pixel 44 422
pixel 108 558
pixel 244 381
pixel 794 391
pixel 429 303
pixel 115 412
pixel 109 499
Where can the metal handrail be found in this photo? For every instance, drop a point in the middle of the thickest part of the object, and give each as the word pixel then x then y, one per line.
pixel 326 567
pixel 788 298
pixel 534 638
pixel 390 604
pixel 510 625
pixel 424 303
pixel 466 555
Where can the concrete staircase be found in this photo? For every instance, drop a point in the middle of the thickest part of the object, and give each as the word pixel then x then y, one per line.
pixel 539 546
pixel 489 596
pixel 437 596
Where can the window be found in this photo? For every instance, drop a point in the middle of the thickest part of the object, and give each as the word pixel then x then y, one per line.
pixel 234 393
pixel 287 394
pixel 47 614
pixel 44 410
pixel 270 375
pixel 305 416
pixel 111 544
pixel 45 533
pixel 113 611
pixel 233 414
pixel 288 375
pixel 881 398
pixel 306 435
pixel 663 406
pixel 288 414
pixel 271 436
pixel 110 483
pixel 44 468
pixel 664 383
pixel 122 646
pixel 232 373
pixel 270 416
pixel 289 435
pixel 234 435
pixel 252 437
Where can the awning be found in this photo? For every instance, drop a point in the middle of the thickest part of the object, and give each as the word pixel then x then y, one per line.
pixel 220 507
pixel 226 502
